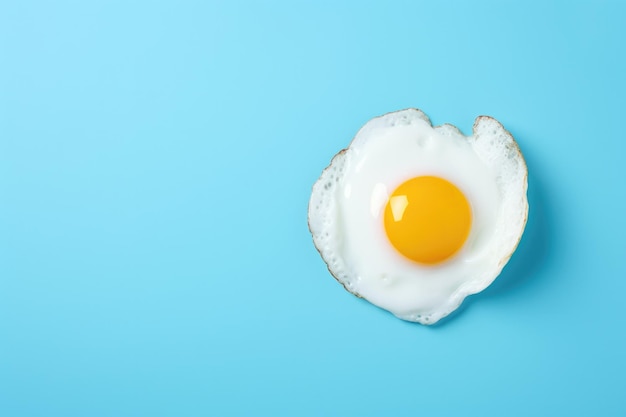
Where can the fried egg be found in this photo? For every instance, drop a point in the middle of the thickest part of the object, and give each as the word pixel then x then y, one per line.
pixel 415 218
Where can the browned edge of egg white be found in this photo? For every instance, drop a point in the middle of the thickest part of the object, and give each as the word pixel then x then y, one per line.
pixel 516 148
pixel 503 261
pixel 319 250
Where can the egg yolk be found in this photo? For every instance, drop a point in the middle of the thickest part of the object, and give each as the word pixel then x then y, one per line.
pixel 427 219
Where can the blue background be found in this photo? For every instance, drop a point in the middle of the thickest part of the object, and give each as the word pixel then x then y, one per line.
pixel 156 160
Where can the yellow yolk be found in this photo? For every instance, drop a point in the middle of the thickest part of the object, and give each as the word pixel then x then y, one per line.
pixel 427 219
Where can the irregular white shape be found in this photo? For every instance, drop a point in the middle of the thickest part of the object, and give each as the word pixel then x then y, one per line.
pixel 347 202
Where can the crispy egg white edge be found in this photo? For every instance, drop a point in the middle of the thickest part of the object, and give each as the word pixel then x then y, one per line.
pixel 489 140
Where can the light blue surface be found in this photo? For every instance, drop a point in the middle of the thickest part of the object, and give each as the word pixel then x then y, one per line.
pixel 156 161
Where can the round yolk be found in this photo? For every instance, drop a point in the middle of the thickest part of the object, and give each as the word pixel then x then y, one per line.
pixel 427 219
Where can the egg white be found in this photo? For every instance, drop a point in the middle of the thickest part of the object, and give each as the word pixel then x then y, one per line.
pixel 349 198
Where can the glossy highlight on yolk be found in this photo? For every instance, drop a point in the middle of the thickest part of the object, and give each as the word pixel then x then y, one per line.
pixel 427 219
